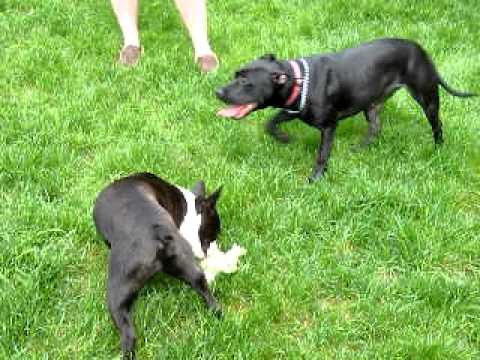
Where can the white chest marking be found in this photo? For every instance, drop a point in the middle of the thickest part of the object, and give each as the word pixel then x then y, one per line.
pixel 191 224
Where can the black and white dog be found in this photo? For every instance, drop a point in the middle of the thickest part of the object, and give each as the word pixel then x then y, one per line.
pixel 152 226
pixel 323 89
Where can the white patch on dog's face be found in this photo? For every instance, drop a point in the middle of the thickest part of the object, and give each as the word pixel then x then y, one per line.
pixel 191 224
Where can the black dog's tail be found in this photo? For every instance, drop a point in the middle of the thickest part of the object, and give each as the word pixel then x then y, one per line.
pixel 453 91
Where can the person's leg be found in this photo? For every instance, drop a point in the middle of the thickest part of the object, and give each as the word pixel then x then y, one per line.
pixel 126 12
pixel 194 16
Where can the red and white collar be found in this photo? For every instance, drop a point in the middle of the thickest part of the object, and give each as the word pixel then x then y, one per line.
pixel 299 86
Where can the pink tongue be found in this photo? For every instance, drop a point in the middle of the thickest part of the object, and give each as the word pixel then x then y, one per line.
pixel 236 111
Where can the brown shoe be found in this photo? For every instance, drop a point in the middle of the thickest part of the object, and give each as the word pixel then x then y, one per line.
pixel 207 63
pixel 129 55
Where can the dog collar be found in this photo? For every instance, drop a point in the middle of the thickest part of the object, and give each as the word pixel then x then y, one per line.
pixel 300 85
pixel 297 81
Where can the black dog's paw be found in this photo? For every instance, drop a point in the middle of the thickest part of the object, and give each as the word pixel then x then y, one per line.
pixel 356 148
pixel 363 145
pixel 315 176
pixel 282 137
pixel 438 142
pixel 218 313
pixel 128 355
pixel 278 135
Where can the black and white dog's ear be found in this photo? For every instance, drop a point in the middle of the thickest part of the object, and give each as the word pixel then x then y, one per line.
pixel 199 189
pixel 212 199
pixel 269 57
pixel 279 78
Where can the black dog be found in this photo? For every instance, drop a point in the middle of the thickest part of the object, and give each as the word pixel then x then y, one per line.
pixel 153 226
pixel 323 89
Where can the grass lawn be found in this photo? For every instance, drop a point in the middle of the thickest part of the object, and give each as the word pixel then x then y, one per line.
pixel 379 260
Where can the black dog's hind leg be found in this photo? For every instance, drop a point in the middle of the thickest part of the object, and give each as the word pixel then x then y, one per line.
pixel 120 297
pixel 123 283
pixel 272 125
pixel 323 152
pixel 374 127
pixel 430 103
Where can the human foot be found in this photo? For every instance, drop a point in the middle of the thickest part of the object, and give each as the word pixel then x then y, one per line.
pixel 129 55
pixel 207 63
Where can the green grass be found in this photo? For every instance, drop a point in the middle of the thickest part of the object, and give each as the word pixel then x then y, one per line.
pixel 380 260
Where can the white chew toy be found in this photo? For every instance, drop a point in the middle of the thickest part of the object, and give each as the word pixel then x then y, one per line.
pixel 217 261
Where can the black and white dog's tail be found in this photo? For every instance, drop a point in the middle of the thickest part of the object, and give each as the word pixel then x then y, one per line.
pixel 453 91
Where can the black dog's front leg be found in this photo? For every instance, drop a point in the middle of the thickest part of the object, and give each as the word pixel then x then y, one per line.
pixel 200 285
pixel 183 267
pixel 272 125
pixel 323 152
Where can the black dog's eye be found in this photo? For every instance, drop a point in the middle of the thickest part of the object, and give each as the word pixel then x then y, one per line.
pixel 242 81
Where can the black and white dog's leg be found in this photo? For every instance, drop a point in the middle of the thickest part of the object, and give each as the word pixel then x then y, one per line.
pixel 323 152
pixel 124 281
pixel 184 268
pixel 272 125
pixel 200 285
pixel 120 295
pixel 374 127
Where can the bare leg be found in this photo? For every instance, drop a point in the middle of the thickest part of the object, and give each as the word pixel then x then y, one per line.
pixel 126 12
pixel 194 16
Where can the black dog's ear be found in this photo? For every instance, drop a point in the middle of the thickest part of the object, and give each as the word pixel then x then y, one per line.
pixel 279 78
pixel 199 189
pixel 269 57
pixel 211 201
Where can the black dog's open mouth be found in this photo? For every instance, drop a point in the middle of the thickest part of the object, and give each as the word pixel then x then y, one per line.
pixel 237 111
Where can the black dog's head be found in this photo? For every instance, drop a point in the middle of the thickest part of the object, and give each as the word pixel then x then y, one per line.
pixel 254 87
pixel 210 221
